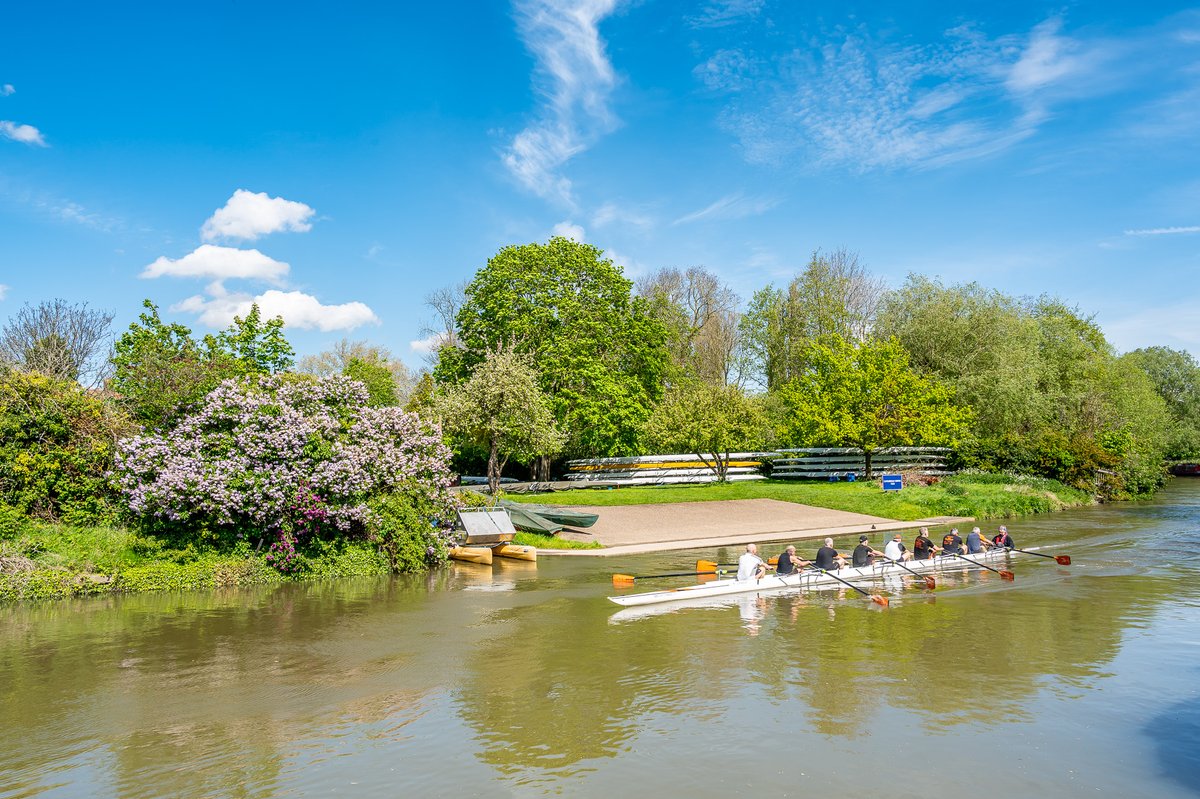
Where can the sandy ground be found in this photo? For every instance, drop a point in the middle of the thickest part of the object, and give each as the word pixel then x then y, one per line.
pixel 628 529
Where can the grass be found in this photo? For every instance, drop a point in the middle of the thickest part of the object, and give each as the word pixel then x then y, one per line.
pixel 984 496
pixel 552 542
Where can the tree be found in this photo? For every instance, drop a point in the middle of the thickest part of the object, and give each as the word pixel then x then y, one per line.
pixel 700 314
pixel 708 420
pixel 59 340
pixel 599 355
pixel 867 396
pixel 374 374
pixel 501 410
pixel 335 361
pixel 1176 378
pixel 256 347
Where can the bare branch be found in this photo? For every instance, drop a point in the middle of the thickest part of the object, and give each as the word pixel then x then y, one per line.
pixel 60 340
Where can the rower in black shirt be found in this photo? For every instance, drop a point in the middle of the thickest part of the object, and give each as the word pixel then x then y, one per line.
pixel 828 557
pixel 923 547
pixel 864 553
pixel 788 563
pixel 1003 539
pixel 952 543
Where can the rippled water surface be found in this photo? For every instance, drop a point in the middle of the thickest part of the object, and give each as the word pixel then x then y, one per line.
pixel 522 680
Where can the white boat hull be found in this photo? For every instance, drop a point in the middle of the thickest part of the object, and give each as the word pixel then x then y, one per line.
pixel 812 579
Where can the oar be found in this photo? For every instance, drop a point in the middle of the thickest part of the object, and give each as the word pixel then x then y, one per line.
pixel 628 579
pixel 876 598
pixel 930 583
pixel 1005 574
pixel 1062 560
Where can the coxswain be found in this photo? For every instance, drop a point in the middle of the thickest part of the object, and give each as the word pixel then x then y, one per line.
pixel 952 543
pixel 788 563
pixel 895 549
pixel 828 557
pixel 976 543
pixel 1003 539
pixel 923 546
pixel 750 565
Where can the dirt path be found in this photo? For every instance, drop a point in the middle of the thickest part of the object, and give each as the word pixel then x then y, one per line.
pixel 628 529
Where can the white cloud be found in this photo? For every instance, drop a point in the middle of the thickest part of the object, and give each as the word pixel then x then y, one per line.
pixel 1163 231
pixel 731 206
pixel 3 291
pixel 297 309
pixel 1047 59
pixel 720 13
pixel 26 134
pixel 220 263
pixel 569 230
pixel 574 79
pixel 7 89
pixel 248 215
pixel 429 344
pixel 609 213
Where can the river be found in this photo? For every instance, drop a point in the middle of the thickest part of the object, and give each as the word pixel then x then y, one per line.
pixel 522 680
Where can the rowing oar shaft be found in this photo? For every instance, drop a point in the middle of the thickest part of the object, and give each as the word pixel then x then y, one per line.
pixel 628 579
pixel 876 598
pixel 930 583
pixel 1004 573
pixel 1062 560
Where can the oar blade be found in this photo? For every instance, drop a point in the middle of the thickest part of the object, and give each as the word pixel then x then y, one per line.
pixel 706 566
pixel 882 601
pixel 773 561
pixel 1062 560
pixel 623 579
pixel 1007 575
pixel 930 583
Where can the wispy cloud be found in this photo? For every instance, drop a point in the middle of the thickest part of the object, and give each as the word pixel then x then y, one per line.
pixel 612 213
pixel 854 100
pixel 1163 231
pixel 574 80
pixel 248 215
pixel 26 134
pixel 720 13
pixel 731 206
pixel 3 292
pixel 7 89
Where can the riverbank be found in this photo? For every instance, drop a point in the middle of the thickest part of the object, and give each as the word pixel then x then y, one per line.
pixel 42 561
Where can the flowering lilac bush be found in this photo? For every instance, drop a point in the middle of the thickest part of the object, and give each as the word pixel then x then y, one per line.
pixel 283 457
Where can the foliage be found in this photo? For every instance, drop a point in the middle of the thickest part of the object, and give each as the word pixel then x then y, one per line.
pixel 59 340
pixel 256 455
pixel 405 527
pixel 700 315
pixel 1176 378
pixel 540 541
pixel 378 379
pixel 57 443
pixel 501 410
pixel 160 370
pixel 337 360
pixel 867 396
pixel 709 420
pixel 599 355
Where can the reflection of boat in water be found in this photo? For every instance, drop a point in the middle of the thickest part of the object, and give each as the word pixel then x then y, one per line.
pixel 810 579
pixel 1185 469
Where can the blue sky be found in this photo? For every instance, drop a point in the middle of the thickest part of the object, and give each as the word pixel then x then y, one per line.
pixel 338 163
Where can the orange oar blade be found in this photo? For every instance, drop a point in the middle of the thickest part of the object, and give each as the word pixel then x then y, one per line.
pixel 930 583
pixel 706 566
pixel 773 561
pixel 1063 560
pixel 879 600
pixel 1007 575
pixel 623 579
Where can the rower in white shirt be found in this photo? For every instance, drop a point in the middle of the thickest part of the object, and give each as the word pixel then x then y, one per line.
pixel 895 549
pixel 750 565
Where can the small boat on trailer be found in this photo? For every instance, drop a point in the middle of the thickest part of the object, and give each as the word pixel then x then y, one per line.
pixel 815 579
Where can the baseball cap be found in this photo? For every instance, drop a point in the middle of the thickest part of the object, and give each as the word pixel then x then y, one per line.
pixel 864 538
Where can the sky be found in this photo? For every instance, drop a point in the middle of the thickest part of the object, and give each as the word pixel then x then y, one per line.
pixel 337 163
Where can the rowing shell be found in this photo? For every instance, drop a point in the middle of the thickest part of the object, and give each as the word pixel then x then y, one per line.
pixel 809 579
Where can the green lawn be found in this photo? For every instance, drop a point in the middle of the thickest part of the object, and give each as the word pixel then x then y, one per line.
pixel 985 496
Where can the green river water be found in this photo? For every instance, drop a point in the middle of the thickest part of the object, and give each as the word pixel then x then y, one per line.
pixel 523 680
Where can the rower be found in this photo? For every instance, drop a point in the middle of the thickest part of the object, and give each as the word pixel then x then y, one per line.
pixel 828 557
pixel 788 563
pixel 952 543
pixel 864 553
pixel 750 565
pixel 1003 539
pixel 923 546
pixel 976 543
pixel 895 549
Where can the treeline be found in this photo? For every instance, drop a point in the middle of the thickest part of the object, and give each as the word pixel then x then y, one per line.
pixel 550 352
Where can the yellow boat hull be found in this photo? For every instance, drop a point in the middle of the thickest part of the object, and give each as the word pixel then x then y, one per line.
pixel 481 555
pixel 516 552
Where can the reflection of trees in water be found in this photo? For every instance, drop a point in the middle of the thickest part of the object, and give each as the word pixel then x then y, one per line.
pixel 202 690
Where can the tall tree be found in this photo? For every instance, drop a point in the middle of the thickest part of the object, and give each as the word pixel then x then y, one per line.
pixel 710 421
pixel 501 410
pixel 599 355
pixel 256 347
pixel 59 340
pixel 336 360
pixel 700 314
pixel 867 396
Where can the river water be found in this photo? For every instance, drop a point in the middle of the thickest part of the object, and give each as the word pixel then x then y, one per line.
pixel 522 680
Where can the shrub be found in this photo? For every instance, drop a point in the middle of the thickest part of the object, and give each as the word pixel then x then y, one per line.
pixel 408 530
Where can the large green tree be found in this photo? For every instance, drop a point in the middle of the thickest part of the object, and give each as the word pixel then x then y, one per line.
pixel 867 396
pixel 1176 378
pixel 708 420
pixel 599 355
pixel 501 410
